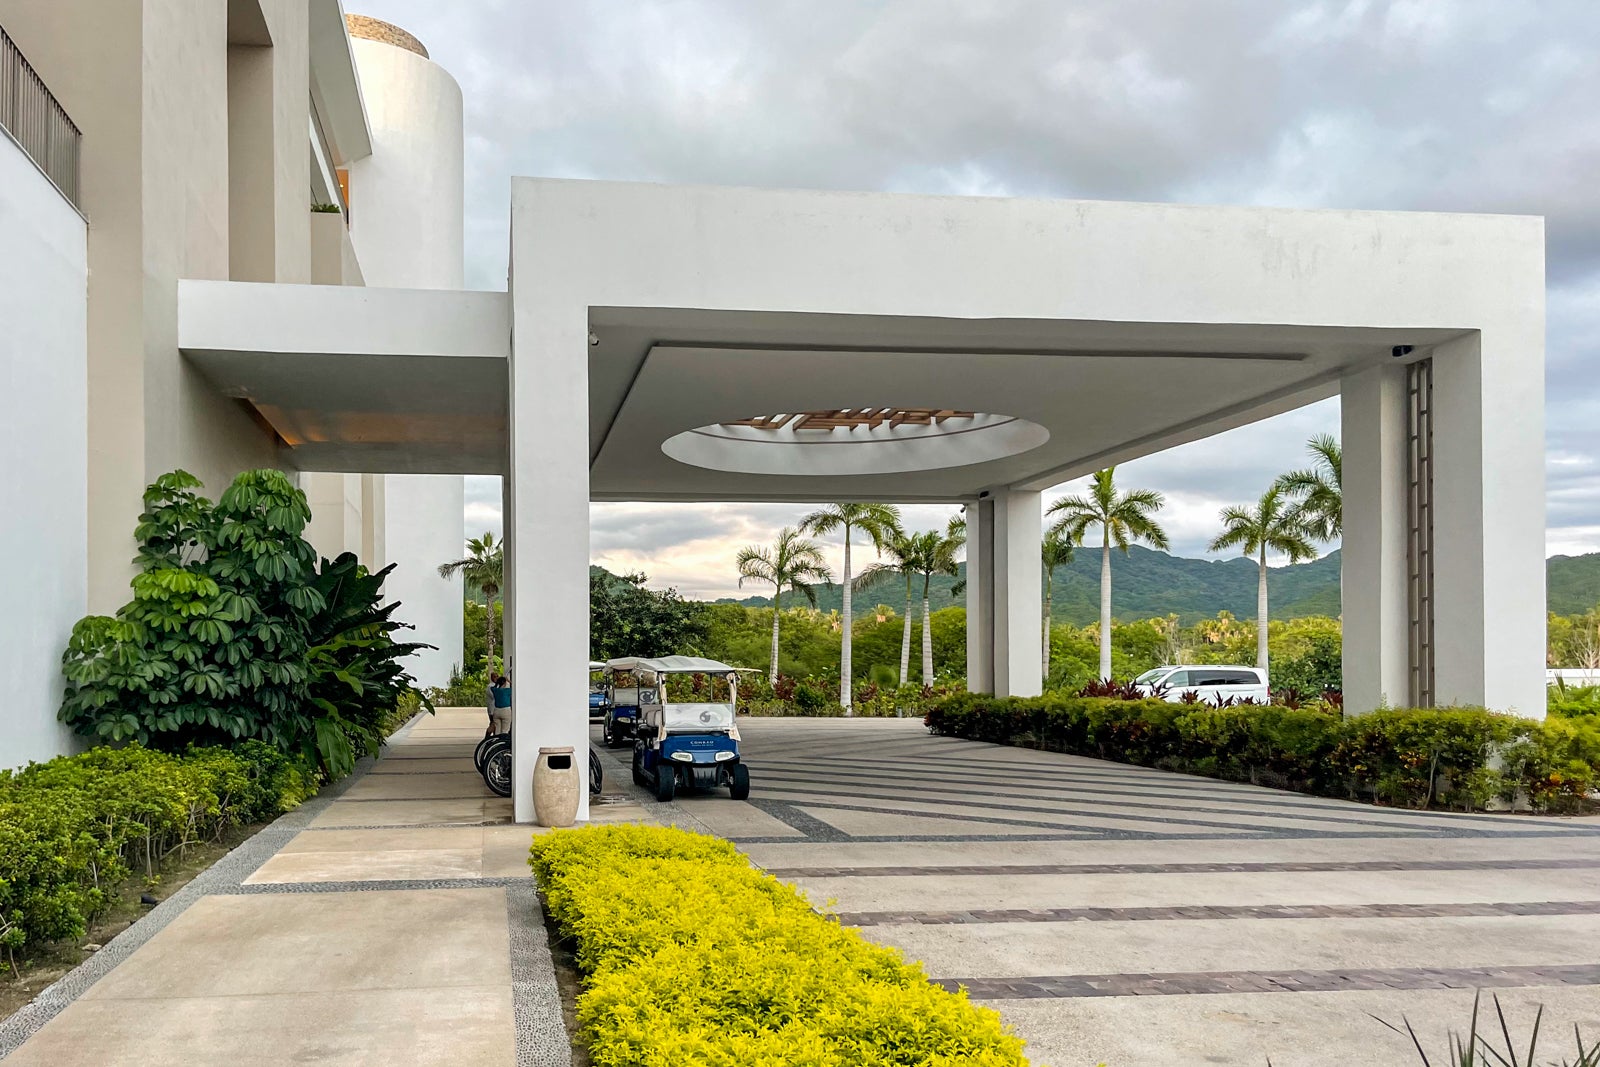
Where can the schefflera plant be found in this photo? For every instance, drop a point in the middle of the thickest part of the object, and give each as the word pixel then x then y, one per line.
pixel 213 646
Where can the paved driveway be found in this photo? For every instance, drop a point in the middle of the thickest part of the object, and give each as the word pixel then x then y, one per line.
pixel 1136 917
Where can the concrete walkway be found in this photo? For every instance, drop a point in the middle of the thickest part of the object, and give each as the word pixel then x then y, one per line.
pixel 1131 916
pixel 392 925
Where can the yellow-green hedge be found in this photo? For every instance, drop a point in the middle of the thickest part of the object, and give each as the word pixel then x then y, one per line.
pixel 692 956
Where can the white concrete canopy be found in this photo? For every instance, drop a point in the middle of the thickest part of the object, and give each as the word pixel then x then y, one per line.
pixel 401 381
pixel 1076 335
pixel 651 312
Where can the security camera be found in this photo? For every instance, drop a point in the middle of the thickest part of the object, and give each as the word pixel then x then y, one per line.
pixel 1400 351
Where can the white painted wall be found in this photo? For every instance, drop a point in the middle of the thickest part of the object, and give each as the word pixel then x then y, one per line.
pixel 423 530
pixel 43 451
pixel 406 218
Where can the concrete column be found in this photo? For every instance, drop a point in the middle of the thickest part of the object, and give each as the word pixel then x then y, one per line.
pixel 252 170
pixel 1005 594
pixel 1373 557
pixel 980 600
pixel 547 616
pixel 1488 494
pixel 1018 586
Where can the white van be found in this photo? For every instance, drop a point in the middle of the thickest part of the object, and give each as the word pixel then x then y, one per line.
pixel 1215 684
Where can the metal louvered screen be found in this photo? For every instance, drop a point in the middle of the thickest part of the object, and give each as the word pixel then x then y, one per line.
pixel 1419 521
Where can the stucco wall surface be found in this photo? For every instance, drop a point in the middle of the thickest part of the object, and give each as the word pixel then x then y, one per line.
pixel 43 451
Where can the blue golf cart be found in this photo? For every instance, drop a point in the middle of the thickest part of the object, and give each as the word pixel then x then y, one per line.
pixel 599 698
pixel 624 684
pixel 685 744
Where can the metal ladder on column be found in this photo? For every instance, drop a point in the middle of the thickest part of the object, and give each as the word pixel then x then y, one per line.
pixel 1419 522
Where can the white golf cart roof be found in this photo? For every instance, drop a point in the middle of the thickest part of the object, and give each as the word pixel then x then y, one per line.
pixel 596 665
pixel 672 665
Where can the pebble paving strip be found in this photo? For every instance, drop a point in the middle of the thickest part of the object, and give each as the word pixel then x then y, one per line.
pixel 1057 987
pixel 1218 911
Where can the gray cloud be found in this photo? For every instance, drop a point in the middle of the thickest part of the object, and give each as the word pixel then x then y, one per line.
pixel 1473 105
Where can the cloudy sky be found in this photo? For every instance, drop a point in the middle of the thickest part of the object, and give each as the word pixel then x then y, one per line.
pixel 1456 105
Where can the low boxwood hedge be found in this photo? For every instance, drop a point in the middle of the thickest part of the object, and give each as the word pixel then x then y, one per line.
pixel 689 955
pixel 72 830
pixel 1435 757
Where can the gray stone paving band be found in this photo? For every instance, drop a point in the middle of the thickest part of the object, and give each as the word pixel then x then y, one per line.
pixel 1067 986
pixel 1219 911
pixel 223 876
pixel 380 885
pixel 542 1039
pixel 1013 870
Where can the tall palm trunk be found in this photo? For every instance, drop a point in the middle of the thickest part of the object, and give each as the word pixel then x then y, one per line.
pixel 1049 578
pixel 927 634
pixel 1261 613
pixel 772 673
pixel 905 639
pixel 846 690
pixel 1105 606
pixel 489 637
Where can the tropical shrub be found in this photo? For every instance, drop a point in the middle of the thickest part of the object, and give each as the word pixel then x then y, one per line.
pixel 1436 757
pixel 233 633
pixel 691 956
pixel 357 676
pixel 1574 701
pixel 1319 668
pixel 464 691
pixel 72 830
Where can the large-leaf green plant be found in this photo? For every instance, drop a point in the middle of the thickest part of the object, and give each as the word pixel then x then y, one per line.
pixel 218 642
pixel 357 668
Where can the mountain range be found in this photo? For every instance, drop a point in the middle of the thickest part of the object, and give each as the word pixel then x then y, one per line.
pixel 1146 584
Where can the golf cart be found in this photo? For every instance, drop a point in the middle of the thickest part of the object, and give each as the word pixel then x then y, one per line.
pixel 599 699
pixel 685 744
pixel 625 687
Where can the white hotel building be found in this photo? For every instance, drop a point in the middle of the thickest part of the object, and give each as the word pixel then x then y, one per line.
pixel 649 333
pixel 148 141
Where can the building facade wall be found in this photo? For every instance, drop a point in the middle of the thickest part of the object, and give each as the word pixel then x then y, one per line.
pixel 43 451
pixel 406 211
pixel 97 77
pixel 154 90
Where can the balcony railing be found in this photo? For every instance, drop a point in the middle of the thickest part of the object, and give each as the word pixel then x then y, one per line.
pixel 31 115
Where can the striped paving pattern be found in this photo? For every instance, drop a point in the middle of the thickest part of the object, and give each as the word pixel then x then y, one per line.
pixel 1133 916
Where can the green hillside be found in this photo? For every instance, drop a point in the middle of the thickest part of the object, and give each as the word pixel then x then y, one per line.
pixel 1146 584
pixel 1573 583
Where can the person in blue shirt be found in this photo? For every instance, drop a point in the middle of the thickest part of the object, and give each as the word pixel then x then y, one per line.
pixel 499 705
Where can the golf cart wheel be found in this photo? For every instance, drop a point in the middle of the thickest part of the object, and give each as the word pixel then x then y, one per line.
pixel 606 737
pixel 666 781
pixel 597 775
pixel 497 771
pixel 739 786
pixel 482 751
pixel 638 768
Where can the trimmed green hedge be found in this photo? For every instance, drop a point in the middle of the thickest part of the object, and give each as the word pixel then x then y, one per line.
pixel 691 956
pixel 72 830
pixel 1417 758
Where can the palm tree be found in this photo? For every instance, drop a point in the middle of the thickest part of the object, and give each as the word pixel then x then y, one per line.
pixel 1276 525
pixel 878 522
pixel 956 531
pixel 1319 490
pixel 1122 518
pixel 1055 551
pixel 936 554
pixel 484 568
pixel 903 552
pixel 792 561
